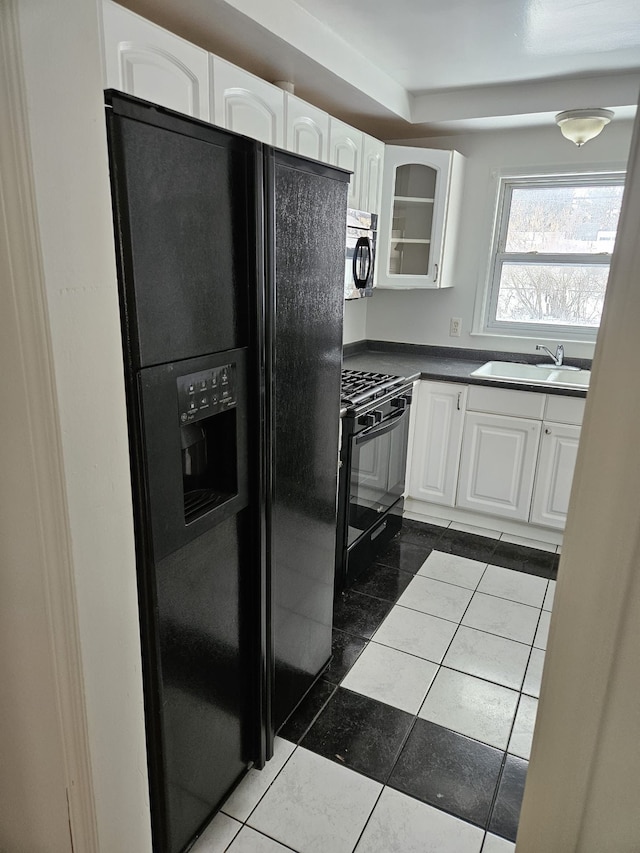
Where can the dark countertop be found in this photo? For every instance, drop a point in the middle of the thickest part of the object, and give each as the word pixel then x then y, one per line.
pixel 447 364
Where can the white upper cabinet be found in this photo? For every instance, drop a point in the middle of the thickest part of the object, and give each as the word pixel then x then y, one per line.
pixel 307 129
pixel 420 208
pixel 345 150
pixel 246 104
pixel 144 60
pixel 372 166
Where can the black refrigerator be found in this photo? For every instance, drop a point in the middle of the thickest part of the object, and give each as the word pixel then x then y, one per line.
pixel 230 263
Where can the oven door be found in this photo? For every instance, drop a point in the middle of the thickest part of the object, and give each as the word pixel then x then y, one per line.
pixel 377 475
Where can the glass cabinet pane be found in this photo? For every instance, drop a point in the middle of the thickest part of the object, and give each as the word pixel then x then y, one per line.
pixel 409 258
pixel 415 181
pixel 412 220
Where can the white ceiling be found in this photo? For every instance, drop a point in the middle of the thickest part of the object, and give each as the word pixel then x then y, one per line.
pixel 407 68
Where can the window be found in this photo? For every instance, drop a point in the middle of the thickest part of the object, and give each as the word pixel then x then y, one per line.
pixel 553 243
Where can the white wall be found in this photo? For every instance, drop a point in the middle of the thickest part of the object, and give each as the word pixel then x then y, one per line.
pixel 422 317
pixel 583 786
pixel 355 320
pixel 60 50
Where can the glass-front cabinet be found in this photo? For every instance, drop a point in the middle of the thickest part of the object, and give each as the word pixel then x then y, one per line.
pixel 418 220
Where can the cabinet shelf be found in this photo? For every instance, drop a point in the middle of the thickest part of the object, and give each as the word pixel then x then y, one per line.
pixel 414 199
pixel 408 240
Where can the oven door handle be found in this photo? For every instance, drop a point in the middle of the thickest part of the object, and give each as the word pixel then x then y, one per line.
pixel 385 427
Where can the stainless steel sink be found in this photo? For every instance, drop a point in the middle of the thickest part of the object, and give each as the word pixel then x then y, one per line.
pixel 534 374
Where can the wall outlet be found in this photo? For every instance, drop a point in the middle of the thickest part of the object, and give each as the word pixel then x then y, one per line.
pixel 455 325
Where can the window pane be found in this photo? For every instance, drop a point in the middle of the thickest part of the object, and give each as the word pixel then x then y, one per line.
pixel 561 294
pixel 564 219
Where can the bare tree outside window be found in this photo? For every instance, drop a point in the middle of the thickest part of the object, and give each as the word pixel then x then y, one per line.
pixel 554 248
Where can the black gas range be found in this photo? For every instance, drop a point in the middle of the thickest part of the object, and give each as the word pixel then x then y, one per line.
pixel 373 457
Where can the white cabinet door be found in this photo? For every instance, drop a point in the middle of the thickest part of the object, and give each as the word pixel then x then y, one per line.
pixel 345 150
pixel 372 165
pixel 498 464
pixel 151 63
pixel 554 475
pixel 437 437
pixel 246 104
pixel 307 129
pixel 419 213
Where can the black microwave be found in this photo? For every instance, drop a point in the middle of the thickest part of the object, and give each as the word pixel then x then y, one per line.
pixel 360 253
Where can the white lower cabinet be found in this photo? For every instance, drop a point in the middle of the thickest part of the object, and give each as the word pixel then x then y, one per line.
pixel 437 437
pixel 497 465
pixel 556 463
pixel 493 451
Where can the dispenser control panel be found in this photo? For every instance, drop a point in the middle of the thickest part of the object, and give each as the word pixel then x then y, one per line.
pixel 206 393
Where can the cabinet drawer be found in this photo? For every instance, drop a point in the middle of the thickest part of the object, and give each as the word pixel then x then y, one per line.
pixel 501 401
pixel 564 410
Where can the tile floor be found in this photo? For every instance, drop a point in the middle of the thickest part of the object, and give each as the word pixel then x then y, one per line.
pixel 417 737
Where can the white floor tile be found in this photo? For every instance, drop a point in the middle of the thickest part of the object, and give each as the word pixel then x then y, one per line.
pixel 400 824
pixel 529 543
pixel 516 586
pixel 250 841
pixel 549 597
pixel 522 734
pixel 450 568
pixel 249 792
pixel 542 633
pixel 495 844
pixel 470 706
pixel 502 617
pixel 392 677
pixel 218 835
pixel 315 805
pixel 416 633
pixel 533 677
pixel 478 531
pixel 489 657
pixel 439 599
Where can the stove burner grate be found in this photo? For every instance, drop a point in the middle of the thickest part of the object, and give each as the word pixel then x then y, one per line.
pixel 358 386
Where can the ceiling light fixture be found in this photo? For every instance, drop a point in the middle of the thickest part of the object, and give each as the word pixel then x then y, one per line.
pixel 582 125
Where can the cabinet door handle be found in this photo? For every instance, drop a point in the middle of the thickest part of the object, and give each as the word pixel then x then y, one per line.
pixel 547 431
pixel 435 273
pixel 458 402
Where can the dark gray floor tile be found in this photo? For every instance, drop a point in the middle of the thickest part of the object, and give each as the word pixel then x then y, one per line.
pixel 419 533
pixel 448 771
pixel 468 545
pixel 359 614
pixel 506 811
pixel 346 649
pixel 306 712
pixel 383 582
pixel 529 560
pixel 407 556
pixel 359 733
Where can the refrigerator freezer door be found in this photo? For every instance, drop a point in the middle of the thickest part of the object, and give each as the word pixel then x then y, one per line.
pixel 184 221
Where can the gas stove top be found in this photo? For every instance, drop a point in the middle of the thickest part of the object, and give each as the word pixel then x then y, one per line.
pixel 359 386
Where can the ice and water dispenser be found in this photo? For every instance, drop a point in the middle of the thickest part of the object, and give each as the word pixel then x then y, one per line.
pixel 207 410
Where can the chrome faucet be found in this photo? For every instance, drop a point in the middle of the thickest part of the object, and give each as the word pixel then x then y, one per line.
pixel 558 357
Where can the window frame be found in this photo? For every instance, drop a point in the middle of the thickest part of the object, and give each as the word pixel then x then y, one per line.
pixel 507 184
